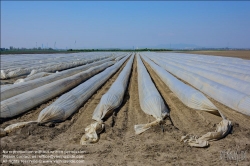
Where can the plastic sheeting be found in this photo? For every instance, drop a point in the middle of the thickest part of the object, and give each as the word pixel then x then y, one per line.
pixel 35 76
pixel 59 67
pixel 151 101
pixel 12 90
pixel 51 68
pixel 77 63
pixel 214 68
pixel 36 61
pixel 225 95
pixel 222 65
pixel 196 100
pixel 188 95
pixel 119 58
pixel 109 101
pixel 25 101
pixel 226 63
pixel 222 129
pixel 68 103
pixel 237 84
pixel 22 65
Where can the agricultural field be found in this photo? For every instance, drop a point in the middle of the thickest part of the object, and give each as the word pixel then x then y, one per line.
pixel 126 108
pixel 244 54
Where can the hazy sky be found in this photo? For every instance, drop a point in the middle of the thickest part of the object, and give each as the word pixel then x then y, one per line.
pixel 124 24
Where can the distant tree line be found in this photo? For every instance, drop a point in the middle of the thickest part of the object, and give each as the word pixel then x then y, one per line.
pixel 116 50
pixel 11 48
pixel 38 50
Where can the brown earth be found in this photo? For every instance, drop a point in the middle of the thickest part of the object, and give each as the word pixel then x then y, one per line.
pixel 118 144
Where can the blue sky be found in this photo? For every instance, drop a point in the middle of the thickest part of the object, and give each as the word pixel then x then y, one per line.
pixel 125 24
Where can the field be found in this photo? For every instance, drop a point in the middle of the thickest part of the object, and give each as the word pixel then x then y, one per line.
pixel 118 144
pixel 244 54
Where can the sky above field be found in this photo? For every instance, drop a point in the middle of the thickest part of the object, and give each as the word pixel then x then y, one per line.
pixel 126 24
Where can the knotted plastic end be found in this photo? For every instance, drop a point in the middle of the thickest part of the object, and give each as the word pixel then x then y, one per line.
pixel 222 129
pixel 140 128
pixel 91 133
pixel 16 126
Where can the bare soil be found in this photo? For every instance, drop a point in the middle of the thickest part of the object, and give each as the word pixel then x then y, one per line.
pixel 118 144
